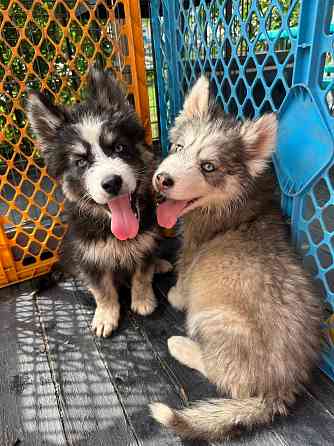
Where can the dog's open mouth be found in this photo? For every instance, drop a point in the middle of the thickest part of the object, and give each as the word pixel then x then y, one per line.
pixel 124 216
pixel 169 211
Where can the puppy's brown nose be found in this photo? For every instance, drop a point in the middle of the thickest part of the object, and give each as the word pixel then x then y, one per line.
pixel 163 181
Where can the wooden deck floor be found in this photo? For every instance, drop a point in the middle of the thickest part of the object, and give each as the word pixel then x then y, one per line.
pixel 59 385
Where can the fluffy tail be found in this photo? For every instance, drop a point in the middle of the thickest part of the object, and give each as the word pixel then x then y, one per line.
pixel 217 418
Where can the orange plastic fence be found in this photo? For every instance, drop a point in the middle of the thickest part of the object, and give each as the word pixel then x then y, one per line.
pixel 48 45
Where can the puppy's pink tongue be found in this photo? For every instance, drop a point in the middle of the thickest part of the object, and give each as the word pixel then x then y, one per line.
pixel 124 224
pixel 168 212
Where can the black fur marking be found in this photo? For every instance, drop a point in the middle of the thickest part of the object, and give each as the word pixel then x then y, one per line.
pixel 89 223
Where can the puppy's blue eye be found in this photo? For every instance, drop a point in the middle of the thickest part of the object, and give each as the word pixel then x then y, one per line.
pixel 81 163
pixel 208 167
pixel 120 148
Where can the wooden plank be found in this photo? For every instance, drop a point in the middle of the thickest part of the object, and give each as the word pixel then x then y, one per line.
pixel 137 375
pixel 98 390
pixel 322 388
pixel 29 413
pixel 307 425
pixel 92 412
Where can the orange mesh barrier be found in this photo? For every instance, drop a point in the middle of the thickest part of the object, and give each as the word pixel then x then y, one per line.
pixel 48 45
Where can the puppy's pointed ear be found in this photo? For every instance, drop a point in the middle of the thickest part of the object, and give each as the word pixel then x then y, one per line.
pixel 259 138
pixel 196 104
pixel 44 117
pixel 105 90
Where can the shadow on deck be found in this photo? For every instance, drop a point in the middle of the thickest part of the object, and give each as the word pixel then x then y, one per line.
pixel 59 385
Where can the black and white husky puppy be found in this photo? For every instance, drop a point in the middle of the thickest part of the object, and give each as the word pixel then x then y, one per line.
pixel 96 150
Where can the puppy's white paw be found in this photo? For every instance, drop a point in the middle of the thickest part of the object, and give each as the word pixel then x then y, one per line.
pixel 162 266
pixel 177 346
pixel 187 352
pixel 143 301
pixel 162 413
pixel 105 320
pixel 175 299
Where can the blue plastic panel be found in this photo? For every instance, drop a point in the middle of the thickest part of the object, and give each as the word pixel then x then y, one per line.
pixel 316 231
pixel 302 155
pixel 248 51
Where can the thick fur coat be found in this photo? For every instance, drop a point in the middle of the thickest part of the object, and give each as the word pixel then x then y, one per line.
pixel 252 313
pixel 96 150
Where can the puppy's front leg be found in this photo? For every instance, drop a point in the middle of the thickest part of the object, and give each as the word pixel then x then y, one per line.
pixel 176 297
pixel 143 300
pixel 107 307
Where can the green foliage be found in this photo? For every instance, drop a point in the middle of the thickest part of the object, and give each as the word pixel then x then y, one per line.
pixel 47 31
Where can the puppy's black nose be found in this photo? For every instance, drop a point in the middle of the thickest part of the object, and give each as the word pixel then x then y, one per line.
pixel 164 181
pixel 112 185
